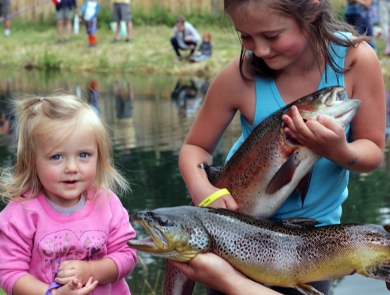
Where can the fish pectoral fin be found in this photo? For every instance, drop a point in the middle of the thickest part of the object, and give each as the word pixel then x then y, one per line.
pixel 307 289
pixel 380 271
pixel 284 175
pixel 303 186
pixel 299 222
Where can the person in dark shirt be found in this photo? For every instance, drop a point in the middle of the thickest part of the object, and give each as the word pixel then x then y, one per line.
pixel 64 12
pixel 4 11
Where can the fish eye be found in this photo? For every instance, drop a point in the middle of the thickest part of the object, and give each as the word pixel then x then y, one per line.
pixel 162 222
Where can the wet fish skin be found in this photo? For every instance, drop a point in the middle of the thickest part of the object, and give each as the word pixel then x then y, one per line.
pixel 288 253
pixel 175 282
pixel 269 165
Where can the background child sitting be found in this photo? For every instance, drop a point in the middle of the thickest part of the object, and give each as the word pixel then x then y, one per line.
pixel 205 49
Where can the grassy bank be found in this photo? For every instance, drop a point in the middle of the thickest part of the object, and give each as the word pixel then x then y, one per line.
pixel 149 52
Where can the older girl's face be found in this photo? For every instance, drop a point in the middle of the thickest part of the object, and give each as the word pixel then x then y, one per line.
pixel 274 37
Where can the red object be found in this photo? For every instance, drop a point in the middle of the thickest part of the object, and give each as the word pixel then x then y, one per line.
pixel 56 1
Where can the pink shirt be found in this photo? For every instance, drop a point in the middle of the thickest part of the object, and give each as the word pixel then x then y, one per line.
pixel 35 238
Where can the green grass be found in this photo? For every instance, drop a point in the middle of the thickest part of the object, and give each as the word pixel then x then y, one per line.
pixel 32 46
pixel 149 52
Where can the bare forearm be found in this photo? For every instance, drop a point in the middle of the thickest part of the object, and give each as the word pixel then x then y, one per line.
pixel 248 287
pixel 104 270
pixel 29 285
pixel 360 156
pixel 194 177
pixel 365 3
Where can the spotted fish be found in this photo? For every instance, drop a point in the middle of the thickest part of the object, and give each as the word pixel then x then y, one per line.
pixel 287 253
pixel 269 164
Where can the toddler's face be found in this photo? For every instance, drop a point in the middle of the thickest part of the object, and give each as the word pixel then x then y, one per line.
pixel 66 167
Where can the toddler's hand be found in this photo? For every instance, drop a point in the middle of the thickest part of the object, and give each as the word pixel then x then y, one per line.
pixel 74 287
pixel 73 269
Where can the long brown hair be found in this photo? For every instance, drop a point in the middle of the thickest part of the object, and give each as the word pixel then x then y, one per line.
pixel 324 30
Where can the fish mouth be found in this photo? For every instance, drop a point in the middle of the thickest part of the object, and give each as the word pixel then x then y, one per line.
pixel 156 244
pixel 156 236
pixel 156 240
pixel 169 238
pixel 342 111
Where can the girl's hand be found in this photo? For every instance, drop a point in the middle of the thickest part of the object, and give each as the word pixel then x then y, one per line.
pixel 215 272
pixel 323 136
pixel 207 189
pixel 208 269
pixel 74 287
pixel 71 269
pixel 226 202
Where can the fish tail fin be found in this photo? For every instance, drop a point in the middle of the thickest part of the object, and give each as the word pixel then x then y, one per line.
pixel 307 289
pixel 211 171
pixel 380 271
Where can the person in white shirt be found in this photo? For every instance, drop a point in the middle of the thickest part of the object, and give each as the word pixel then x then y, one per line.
pixel 185 37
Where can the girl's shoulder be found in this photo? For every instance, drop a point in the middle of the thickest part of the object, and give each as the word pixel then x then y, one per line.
pixel 232 80
pixel 361 55
pixel 22 215
pixel 102 196
pixel 21 203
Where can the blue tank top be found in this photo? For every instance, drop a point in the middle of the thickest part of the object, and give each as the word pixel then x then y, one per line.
pixel 328 186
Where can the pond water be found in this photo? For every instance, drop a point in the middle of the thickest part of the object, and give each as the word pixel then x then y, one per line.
pixel 149 118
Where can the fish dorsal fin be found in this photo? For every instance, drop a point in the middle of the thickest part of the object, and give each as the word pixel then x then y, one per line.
pixel 300 222
pixel 284 175
pixel 387 227
pixel 306 289
pixel 212 171
pixel 303 186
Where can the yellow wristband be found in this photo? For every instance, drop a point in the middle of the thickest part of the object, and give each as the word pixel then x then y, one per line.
pixel 214 196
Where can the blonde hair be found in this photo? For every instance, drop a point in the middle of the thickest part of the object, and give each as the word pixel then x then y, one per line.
pixel 37 116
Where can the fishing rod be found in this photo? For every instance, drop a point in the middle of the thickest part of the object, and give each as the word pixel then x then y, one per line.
pixel 23 10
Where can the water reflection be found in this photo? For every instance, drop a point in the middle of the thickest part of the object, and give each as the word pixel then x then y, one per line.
pixel 124 131
pixel 149 118
pixel 388 117
pixel 186 96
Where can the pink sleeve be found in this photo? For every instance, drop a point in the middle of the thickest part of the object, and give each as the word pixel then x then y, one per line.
pixel 14 244
pixel 121 232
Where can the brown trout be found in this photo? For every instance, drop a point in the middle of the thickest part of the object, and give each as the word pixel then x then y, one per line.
pixel 286 253
pixel 269 165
